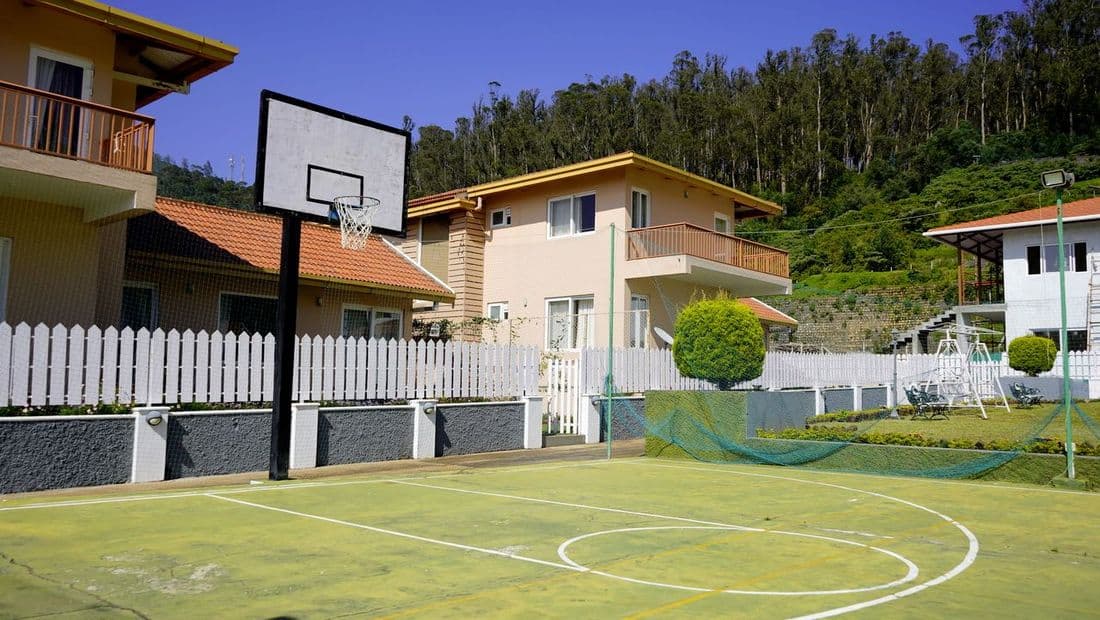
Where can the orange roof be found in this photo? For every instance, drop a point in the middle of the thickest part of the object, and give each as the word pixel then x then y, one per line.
pixel 767 313
pixel 1087 209
pixel 254 238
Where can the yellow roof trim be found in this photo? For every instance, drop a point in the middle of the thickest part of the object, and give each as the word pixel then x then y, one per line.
pixel 602 164
pixel 447 204
pixel 126 21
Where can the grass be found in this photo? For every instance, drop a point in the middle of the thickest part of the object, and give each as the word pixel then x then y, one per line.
pixel 485 542
pixel 1015 425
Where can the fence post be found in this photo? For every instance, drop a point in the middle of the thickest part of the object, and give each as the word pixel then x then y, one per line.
pixel 857 398
pixel 150 444
pixel 532 421
pixel 590 417
pixel 303 435
pixel 424 412
pixel 819 400
pixel 891 397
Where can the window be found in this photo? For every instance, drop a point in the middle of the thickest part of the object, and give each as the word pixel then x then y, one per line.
pixel 364 322
pixel 56 127
pixel 1044 259
pixel 639 208
pixel 569 323
pixel 498 311
pixel 5 273
pixel 721 223
pixel 639 321
pixel 435 231
pixel 1078 338
pixel 500 218
pixel 253 314
pixel 139 305
pixel 571 215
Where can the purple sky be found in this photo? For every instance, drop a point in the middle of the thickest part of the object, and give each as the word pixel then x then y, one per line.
pixel 383 60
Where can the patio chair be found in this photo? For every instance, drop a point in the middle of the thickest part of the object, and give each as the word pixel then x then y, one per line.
pixel 1024 395
pixel 925 404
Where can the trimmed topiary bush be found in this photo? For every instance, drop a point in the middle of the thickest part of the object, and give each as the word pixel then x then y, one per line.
pixel 719 340
pixel 1032 354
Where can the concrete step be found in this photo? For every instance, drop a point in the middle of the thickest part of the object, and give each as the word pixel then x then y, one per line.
pixel 549 441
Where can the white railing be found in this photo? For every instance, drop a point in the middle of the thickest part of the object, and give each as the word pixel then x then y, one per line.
pixel 78 366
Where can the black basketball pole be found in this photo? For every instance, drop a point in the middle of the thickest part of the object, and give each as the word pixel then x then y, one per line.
pixel 286 324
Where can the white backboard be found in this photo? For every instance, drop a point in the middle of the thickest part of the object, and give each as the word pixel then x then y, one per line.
pixel 308 154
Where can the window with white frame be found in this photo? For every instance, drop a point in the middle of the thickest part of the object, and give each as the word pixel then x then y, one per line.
pixel 639 321
pixel 569 323
pixel 499 218
pixel 498 311
pixel 1044 258
pixel 139 305
pixel 571 215
pixel 639 208
pixel 367 322
pixel 721 223
pixel 254 314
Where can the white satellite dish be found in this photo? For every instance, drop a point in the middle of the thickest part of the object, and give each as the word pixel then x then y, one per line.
pixel 662 335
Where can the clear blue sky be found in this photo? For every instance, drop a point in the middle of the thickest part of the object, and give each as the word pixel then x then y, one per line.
pixel 431 61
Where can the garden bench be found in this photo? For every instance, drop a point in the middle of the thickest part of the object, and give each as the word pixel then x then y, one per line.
pixel 925 404
pixel 1026 396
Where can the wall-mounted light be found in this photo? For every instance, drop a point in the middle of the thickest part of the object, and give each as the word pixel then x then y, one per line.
pixel 320 300
pixel 154 420
pixel 430 409
pixel 685 193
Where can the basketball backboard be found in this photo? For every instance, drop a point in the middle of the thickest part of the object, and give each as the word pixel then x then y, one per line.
pixel 307 155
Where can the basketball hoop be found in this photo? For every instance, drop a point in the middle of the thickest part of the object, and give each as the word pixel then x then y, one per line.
pixel 356 214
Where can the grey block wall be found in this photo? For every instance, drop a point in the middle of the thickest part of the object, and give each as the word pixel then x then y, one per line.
pixel 875 397
pixel 779 410
pixel 627 418
pixel 840 399
pixel 55 454
pixel 478 427
pixel 223 443
pixel 364 435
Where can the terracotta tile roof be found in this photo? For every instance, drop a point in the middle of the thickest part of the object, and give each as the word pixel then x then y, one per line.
pixel 254 239
pixel 1079 209
pixel 767 313
pixel 436 197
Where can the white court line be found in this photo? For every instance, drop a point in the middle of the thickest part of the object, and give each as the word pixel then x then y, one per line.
pixel 584 506
pixel 296 485
pixel 968 559
pixel 379 530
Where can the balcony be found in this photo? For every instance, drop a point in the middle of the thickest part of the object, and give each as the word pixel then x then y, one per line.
pixel 700 256
pixel 76 153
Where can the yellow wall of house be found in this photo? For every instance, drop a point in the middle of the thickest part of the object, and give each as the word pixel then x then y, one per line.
pixel 669 205
pixel 190 299
pixel 60 266
pixel 27 25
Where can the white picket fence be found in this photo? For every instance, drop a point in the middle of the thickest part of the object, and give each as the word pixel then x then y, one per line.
pixel 78 366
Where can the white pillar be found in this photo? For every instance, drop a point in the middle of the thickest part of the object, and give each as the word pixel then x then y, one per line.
pixel 150 444
pixel 424 412
pixel 891 398
pixel 303 435
pixel 532 421
pixel 857 398
pixel 819 400
pixel 590 419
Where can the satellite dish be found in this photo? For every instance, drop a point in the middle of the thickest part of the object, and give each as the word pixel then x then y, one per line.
pixel 662 335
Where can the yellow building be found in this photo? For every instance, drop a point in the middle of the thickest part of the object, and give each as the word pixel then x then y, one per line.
pixel 535 250
pixel 76 156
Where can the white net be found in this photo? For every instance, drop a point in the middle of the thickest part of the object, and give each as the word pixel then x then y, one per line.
pixel 356 214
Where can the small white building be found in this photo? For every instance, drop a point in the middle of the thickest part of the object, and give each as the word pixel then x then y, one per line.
pixel 1012 271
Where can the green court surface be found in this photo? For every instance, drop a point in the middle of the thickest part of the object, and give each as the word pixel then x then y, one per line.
pixel 626 537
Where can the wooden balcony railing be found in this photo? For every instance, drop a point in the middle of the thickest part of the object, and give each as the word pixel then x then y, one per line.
pixel 677 239
pixel 47 123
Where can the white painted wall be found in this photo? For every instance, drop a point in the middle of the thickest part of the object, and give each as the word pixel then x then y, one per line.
pixel 1031 301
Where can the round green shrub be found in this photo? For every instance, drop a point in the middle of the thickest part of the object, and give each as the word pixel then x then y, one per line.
pixel 719 340
pixel 1032 354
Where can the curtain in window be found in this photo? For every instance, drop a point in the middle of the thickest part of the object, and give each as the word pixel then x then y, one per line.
pixel 585 216
pixel 557 333
pixel 356 323
pixel 583 335
pixel 559 217
pixel 58 124
pixel 387 324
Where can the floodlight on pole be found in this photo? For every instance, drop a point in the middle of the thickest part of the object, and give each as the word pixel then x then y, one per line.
pixel 1059 180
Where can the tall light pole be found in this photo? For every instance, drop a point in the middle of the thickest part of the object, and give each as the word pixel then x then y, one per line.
pixel 1059 180
pixel 894 335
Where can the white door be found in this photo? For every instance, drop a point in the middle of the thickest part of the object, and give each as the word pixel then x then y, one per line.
pixel 58 127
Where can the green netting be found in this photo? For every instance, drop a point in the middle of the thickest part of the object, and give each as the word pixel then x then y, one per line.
pixel 715 427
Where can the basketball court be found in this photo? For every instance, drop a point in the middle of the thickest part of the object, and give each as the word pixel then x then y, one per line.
pixel 622 537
